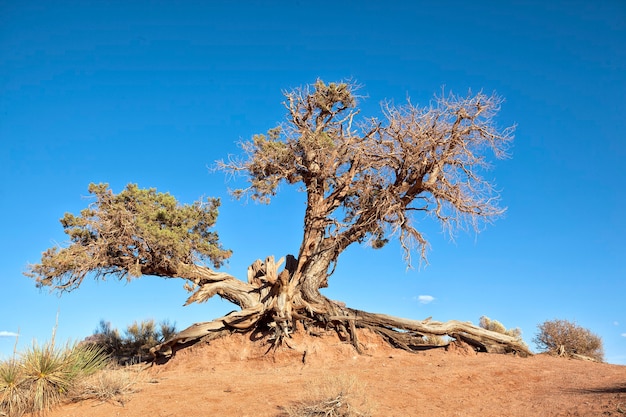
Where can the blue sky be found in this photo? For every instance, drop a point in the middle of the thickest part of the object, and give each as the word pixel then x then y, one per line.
pixel 153 93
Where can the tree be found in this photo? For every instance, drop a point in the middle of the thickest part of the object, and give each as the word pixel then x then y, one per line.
pixel 365 181
pixel 564 338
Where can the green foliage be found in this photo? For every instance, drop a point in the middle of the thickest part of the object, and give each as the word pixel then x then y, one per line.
pixel 495 326
pixel 108 338
pixel 41 376
pixel 166 330
pixel 50 372
pixel 14 399
pixel 333 97
pixel 565 338
pixel 138 338
pixel 281 155
pixel 141 336
pixel 133 233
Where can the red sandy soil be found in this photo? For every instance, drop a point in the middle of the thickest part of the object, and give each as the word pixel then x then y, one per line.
pixel 234 376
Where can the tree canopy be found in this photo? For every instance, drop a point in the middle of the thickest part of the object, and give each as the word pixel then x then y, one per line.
pixel 365 177
pixel 133 233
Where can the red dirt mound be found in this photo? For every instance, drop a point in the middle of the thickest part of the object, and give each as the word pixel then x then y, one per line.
pixel 234 376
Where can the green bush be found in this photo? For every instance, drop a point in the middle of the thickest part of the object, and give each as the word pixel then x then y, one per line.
pixel 565 338
pixel 138 338
pixel 108 338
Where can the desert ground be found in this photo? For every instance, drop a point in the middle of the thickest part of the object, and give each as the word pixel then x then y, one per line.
pixel 234 376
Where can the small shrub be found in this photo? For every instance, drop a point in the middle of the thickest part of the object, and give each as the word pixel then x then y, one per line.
pixel 336 397
pixel 433 339
pixel 107 338
pixel 141 336
pixel 138 339
pixel 113 384
pixel 565 338
pixel 166 330
pixel 495 326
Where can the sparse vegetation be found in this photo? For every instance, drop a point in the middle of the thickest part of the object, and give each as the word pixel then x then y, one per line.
pixel 335 397
pixel 113 384
pixel 565 338
pixel 138 339
pixel 39 378
pixel 433 340
pixel 495 326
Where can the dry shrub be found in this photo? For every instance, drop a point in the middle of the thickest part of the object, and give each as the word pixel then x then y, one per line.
pixel 495 326
pixel 565 338
pixel 114 384
pixel 134 346
pixel 436 340
pixel 340 396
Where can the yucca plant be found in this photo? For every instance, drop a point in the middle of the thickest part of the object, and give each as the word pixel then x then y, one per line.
pixel 49 371
pixel 48 374
pixel 85 359
pixel 14 399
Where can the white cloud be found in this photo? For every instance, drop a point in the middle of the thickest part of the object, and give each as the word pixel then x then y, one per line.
pixel 623 334
pixel 8 334
pixel 425 299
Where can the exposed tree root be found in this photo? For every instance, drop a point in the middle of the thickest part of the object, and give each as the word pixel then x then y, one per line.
pixel 400 333
pixel 271 307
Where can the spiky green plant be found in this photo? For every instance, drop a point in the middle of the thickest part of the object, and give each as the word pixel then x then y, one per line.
pixel 86 359
pixel 47 374
pixel 50 371
pixel 14 398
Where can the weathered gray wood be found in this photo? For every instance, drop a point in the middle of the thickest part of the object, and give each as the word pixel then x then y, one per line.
pixel 273 298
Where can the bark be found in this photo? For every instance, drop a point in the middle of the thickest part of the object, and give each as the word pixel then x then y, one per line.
pixel 271 303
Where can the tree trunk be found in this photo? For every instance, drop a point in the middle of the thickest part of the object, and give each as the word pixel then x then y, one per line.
pixel 271 302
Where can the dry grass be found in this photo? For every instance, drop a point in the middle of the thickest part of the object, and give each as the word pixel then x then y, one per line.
pixel 112 385
pixel 342 396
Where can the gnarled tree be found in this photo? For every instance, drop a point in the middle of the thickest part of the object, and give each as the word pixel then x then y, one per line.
pixel 365 179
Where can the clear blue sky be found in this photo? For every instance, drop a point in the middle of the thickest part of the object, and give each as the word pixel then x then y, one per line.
pixel 153 93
